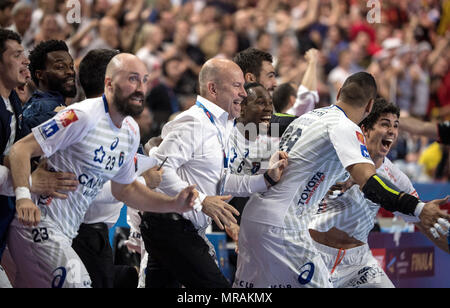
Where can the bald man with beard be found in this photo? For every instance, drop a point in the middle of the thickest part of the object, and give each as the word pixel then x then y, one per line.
pixel 97 140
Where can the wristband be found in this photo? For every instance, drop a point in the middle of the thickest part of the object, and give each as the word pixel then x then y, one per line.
pixel 269 179
pixel 419 208
pixel 22 193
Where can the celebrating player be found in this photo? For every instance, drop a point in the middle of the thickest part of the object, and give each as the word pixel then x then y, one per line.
pixel 275 247
pixel 97 140
pixel 342 223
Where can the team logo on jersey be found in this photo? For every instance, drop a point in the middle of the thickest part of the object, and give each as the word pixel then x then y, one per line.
pixel 121 158
pixel 364 151
pixel 115 143
pixel 49 129
pixel 256 167
pixel 68 117
pixel 99 155
pixel 360 138
pixel 311 188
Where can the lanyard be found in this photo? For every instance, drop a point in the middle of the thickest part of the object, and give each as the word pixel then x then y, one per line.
pixel 219 134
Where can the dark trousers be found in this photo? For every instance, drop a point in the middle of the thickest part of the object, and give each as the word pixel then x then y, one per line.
pixel 7 212
pixel 178 256
pixel 93 247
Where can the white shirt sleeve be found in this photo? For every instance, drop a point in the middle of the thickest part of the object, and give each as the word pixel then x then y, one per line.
pixel 6 185
pixel 105 195
pixel 304 102
pixel 178 146
pixel 349 143
pixel 65 128
pixel 244 185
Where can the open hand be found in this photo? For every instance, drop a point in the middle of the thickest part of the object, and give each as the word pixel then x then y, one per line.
pixel 53 184
pixel 220 211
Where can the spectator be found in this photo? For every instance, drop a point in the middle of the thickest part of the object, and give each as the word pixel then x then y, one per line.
pixel 5 13
pixel 227 45
pixel 14 68
pixel 284 97
pixel 21 14
pixel 162 100
pixel 52 71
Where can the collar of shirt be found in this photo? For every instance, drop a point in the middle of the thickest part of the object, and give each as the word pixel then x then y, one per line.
pixel 220 115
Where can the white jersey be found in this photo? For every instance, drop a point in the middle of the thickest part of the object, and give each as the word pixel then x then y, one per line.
pixel 354 214
pixel 251 157
pixel 82 139
pixel 320 144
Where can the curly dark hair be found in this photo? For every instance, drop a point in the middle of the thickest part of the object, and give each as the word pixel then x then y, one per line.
pixel 380 107
pixel 250 60
pixel 38 56
pixel 6 35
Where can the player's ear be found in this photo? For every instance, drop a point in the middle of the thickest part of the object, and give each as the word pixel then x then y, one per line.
pixel 249 77
pixel 370 105
pixel 338 94
pixel 108 84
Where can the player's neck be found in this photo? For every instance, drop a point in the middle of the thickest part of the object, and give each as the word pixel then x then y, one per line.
pixel 116 116
pixel 5 90
pixel 356 115
pixel 378 161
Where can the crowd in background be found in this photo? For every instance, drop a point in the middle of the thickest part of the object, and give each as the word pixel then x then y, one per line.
pixel 407 51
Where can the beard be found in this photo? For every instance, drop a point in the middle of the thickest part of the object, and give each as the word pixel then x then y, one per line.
pixel 58 86
pixel 124 107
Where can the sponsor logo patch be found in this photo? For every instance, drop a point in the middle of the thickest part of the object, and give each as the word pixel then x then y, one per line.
pixel 360 138
pixel 68 117
pixel 49 129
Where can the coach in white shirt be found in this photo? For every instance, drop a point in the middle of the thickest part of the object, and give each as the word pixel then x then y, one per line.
pixel 195 143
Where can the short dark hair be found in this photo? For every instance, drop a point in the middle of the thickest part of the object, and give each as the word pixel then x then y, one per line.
pixel 166 63
pixel 92 71
pixel 6 35
pixel 281 96
pixel 250 60
pixel 5 4
pixel 380 107
pixel 358 89
pixel 248 86
pixel 38 56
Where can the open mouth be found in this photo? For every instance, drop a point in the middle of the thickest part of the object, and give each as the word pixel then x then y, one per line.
pixel 266 119
pixel 387 143
pixel 70 82
pixel 237 102
pixel 137 98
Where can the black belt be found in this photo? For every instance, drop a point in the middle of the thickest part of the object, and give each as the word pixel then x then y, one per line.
pixel 164 216
pixel 97 226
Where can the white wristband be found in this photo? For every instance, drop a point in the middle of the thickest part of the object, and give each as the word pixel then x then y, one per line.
pixel 22 193
pixel 419 208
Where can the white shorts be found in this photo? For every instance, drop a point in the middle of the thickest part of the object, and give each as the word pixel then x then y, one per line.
pixel 271 257
pixel 353 268
pixel 45 258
